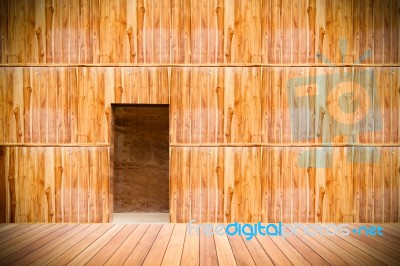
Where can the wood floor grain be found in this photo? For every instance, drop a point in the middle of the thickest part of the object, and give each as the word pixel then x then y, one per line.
pixel 172 244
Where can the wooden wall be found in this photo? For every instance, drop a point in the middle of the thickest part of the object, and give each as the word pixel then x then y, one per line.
pixel 199 31
pixel 56 184
pixel 249 138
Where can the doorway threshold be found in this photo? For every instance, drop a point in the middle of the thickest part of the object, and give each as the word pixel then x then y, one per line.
pixel 140 218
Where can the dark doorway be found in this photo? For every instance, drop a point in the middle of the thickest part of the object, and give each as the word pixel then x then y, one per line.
pixel 141 158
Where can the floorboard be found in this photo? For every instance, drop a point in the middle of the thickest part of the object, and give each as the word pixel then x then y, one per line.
pixel 26 239
pixel 330 257
pixel 95 246
pixel 379 243
pixel 157 250
pixel 240 251
pixel 364 256
pixel 290 252
pixel 173 254
pixel 77 247
pixel 58 253
pixel 370 250
pixel 7 230
pixel 51 246
pixel 173 244
pixel 273 251
pixel 389 234
pixel 394 227
pixel 224 251
pixel 306 251
pixel 257 252
pixel 140 251
pixel 17 231
pixel 208 253
pixel 122 253
pixel 191 249
pixel 4 227
pixel 338 250
pixel 39 242
pixel 108 250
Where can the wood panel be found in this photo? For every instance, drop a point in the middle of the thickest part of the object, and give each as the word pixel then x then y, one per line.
pixel 68 104
pixel 122 31
pixel 3 188
pixel 44 187
pixel 268 184
pixel 208 104
pixel 295 112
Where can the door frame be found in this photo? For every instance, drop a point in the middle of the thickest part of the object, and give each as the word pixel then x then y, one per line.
pixel 111 153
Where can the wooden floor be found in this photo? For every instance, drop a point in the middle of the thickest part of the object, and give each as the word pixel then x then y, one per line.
pixel 170 244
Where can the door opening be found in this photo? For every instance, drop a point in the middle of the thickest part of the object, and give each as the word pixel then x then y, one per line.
pixel 140 156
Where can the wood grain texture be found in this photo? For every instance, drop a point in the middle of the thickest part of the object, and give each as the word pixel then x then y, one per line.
pixel 69 104
pixel 196 31
pixel 55 122
pixel 72 243
pixel 268 185
pixel 26 200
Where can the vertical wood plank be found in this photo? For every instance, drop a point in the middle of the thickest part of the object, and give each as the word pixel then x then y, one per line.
pixel 195 186
pixel 215 11
pixel 286 31
pixel 378 28
pixel 195 31
pixel 204 76
pixel 237 37
pixel 3 106
pixel 387 190
pixel 395 184
pixel 220 174
pixel 173 184
pixel 185 184
pixel 378 186
pixel 122 29
pixel 66 185
pixel 212 184
pixel 166 30
pixel 395 35
pixel 212 105
pixel 49 184
pixel 4 42
pixel 176 32
pixel 9 107
pixel 58 170
pixel 73 31
pixel 75 164
pixel 205 175
pixel 204 30
pixel 93 187
pixel 3 188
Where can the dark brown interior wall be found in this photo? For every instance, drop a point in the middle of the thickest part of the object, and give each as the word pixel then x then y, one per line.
pixel 141 158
